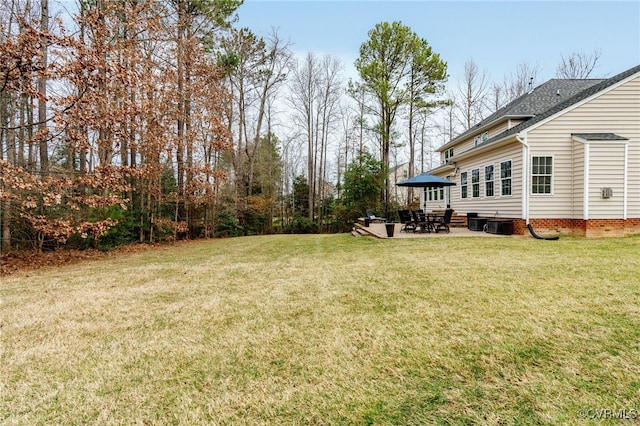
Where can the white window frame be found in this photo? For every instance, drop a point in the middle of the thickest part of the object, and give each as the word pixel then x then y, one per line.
pixel 475 184
pixel 503 179
pixel 491 181
pixel 448 154
pixel 553 162
pixel 464 190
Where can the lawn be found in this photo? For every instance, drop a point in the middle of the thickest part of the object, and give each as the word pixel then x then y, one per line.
pixel 328 329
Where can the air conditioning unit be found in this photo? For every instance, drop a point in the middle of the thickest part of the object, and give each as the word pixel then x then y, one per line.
pixel 606 192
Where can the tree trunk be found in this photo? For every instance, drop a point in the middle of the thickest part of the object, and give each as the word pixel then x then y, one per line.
pixel 6 227
pixel 42 89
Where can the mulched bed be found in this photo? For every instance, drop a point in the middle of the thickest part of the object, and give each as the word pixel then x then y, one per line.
pixel 16 261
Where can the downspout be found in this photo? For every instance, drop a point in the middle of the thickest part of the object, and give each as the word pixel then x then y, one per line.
pixel 585 189
pixel 625 186
pixel 525 175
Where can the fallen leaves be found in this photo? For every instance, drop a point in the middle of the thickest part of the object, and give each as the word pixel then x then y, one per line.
pixel 27 260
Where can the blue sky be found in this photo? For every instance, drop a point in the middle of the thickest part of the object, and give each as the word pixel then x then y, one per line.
pixel 498 35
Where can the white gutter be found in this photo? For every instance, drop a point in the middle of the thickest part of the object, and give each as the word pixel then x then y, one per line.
pixel 585 191
pixel 625 185
pixel 480 130
pixel 525 175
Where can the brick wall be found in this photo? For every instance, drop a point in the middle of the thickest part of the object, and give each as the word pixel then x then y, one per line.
pixel 612 227
pixel 592 228
pixel 557 226
pixel 520 227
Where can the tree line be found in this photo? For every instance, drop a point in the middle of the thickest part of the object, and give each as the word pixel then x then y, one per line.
pixel 144 121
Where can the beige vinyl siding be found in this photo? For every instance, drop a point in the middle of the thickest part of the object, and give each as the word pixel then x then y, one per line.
pixel 558 204
pixel 468 143
pixel 633 154
pixel 606 170
pixel 616 111
pixel 512 123
pixel 577 188
pixel 505 206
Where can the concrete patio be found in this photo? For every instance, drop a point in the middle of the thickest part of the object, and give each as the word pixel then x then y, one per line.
pixel 378 230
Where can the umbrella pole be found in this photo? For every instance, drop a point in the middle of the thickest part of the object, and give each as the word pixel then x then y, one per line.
pixel 424 197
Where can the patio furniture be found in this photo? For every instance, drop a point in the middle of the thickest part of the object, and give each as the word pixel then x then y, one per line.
pixel 406 220
pixel 441 222
pixel 424 181
pixel 421 221
pixel 373 218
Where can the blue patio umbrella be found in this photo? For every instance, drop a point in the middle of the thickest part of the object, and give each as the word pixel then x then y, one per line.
pixel 424 181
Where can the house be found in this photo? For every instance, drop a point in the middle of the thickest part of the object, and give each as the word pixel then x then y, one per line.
pixel 402 195
pixel 564 158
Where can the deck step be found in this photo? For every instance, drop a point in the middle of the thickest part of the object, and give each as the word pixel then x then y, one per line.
pixel 362 231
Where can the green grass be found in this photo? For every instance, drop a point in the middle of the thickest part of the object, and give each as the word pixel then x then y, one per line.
pixel 328 330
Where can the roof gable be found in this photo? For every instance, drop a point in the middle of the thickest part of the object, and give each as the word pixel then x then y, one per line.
pixel 531 104
pixel 584 94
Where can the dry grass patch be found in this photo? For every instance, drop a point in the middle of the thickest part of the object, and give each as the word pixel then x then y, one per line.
pixel 327 330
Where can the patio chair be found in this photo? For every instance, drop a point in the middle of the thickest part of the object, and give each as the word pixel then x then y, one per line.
pixel 420 220
pixel 406 220
pixel 373 218
pixel 443 223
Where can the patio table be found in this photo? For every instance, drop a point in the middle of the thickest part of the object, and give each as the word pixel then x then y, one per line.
pixel 422 222
pixel 434 219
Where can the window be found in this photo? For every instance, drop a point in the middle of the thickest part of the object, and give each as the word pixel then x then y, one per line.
pixel 477 140
pixel 433 194
pixel 488 181
pixel 442 193
pixel 448 154
pixel 485 136
pixel 505 177
pixel 541 173
pixel 475 183
pixel 463 185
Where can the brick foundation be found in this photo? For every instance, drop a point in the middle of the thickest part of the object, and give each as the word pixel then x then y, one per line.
pixel 592 228
pixel 611 227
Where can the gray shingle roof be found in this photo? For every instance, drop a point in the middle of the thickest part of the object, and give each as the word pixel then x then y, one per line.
pixel 589 91
pixel 543 97
pixel 600 136
pixel 533 103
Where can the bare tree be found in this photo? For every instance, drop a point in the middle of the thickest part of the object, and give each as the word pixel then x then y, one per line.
pixel 315 93
pixel 473 91
pixel 362 110
pixel 522 81
pixel 257 69
pixel 328 110
pixel 304 92
pixel 497 97
pixel 578 65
